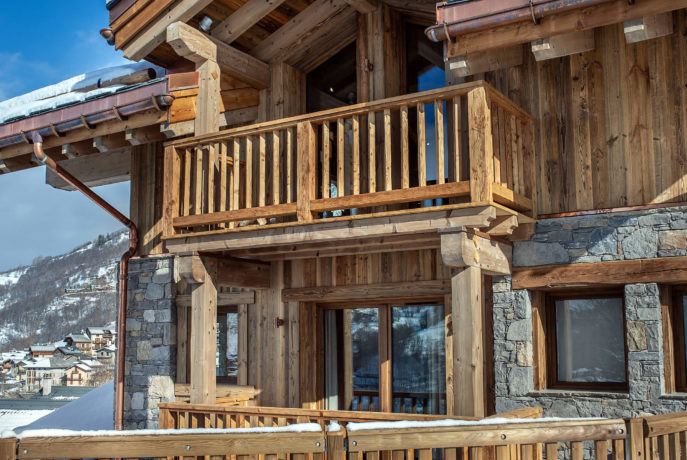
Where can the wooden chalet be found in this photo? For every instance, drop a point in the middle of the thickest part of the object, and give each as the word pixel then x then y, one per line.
pixel 381 206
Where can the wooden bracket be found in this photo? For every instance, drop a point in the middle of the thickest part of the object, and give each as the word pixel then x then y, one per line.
pixel 3 168
pixel 461 249
pixel 486 62
pixel 191 268
pixel 641 29
pixel 563 45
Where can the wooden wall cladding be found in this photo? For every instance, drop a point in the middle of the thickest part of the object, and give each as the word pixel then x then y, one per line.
pixel 611 123
pixel 282 361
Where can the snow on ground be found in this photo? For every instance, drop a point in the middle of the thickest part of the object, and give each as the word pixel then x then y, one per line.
pixel 451 423
pixel 11 277
pixel 11 419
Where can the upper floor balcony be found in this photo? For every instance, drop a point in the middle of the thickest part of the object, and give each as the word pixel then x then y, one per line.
pixel 409 165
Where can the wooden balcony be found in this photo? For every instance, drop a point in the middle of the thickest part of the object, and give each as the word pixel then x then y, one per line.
pixel 364 170
pixel 279 435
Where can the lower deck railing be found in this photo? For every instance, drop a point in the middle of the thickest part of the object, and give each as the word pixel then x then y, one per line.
pixel 656 438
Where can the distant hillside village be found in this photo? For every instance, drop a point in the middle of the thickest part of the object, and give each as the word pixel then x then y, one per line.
pixel 81 359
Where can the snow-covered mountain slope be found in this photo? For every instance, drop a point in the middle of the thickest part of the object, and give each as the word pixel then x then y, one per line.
pixel 59 295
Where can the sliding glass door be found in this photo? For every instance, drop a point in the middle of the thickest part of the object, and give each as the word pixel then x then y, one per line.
pixel 388 358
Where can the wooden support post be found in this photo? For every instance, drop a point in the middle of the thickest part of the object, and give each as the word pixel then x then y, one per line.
pixel 481 146
pixel 307 170
pixel 198 48
pixel 172 174
pixel 635 433
pixel 201 273
pixel 468 353
pixel 8 448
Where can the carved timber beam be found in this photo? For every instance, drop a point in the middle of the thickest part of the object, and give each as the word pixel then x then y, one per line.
pixel 461 249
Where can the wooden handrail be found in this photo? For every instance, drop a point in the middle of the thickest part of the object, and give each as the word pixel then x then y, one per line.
pixel 341 112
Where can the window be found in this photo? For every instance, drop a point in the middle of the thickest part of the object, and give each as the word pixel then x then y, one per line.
pixel 586 342
pixel 385 358
pixel 226 358
pixel 678 301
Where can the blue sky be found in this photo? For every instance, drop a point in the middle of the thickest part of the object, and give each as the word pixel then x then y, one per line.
pixel 41 43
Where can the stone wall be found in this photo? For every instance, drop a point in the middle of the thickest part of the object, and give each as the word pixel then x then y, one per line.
pixel 613 236
pixel 150 340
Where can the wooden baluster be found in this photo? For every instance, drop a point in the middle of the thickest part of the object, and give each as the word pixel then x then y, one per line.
pixel 551 451
pixel 499 115
pixel 262 147
pixel 171 189
pixel 528 153
pixel 424 454
pixel 682 440
pixel 275 167
pixel 223 176
pixel 356 155
pixel 514 152
pixel 421 146
pixel 186 210
pixel 340 158
pixel 387 150
pixel 476 453
pixel 664 447
pixel 508 159
pixel 249 172
pixel 439 140
pixel 495 137
pixel 198 205
pixel 618 449
pixel 527 452
pixel 372 160
pixel 405 168
pixel 211 178
pixel 326 153
pixel 503 453
pixel 576 450
pixel 455 135
pixel 236 190
pixel 521 162
pixel 289 165
pixel 601 450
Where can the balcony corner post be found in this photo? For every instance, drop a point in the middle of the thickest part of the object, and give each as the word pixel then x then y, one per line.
pixel 307 170
pixel 481 146
pixel 170 185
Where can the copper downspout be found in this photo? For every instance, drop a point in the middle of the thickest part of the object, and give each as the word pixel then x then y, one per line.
pixel 123 267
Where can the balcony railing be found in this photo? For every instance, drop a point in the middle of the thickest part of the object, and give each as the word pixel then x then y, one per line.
pixel 362 159
pixel 653 437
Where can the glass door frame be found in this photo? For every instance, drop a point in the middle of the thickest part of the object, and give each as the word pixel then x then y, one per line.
pixel 385 340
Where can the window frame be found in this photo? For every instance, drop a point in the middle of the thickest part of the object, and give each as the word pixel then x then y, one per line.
pixel 385 329
pixel 552 342
pixel 678 331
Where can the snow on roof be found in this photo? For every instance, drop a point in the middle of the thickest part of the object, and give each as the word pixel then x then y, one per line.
pixel 79 338
pixel 68 91
pixel 95 330
pixel 40 363
pixel 11 419
pixel 42 348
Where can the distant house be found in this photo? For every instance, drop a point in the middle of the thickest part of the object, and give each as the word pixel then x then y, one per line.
pixel 100 337
pixel 80 341
pixel 71 353
pixel 106 355
pixel 42 369
pixel 78 375
pixel 37 351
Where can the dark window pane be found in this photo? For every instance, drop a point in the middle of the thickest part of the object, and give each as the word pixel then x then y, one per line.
pixel 589 340
pixel 226 357
pixel 419 365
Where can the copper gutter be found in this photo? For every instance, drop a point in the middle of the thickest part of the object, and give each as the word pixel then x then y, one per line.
pixel 123 267
pixel 472 16
pixel 88 114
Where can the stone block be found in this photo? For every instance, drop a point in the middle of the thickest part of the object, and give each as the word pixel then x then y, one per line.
pixel 636 336
pixel 520 330
pixel 640 244
pixel 162 275
pixel 144 351
pixel 149 316
pixel 672 239
pixel 530 253
pixel 137 401
pixel 654 219
pixel 520 380
pixel 155 292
